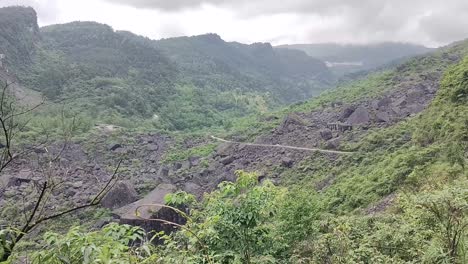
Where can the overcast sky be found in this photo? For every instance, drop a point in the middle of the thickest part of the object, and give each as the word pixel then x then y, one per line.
pixel 428 22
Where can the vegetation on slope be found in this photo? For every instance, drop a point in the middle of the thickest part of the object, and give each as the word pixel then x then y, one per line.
pixel 402 199
pixel 184 83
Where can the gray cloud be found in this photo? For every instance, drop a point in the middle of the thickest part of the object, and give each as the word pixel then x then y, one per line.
pixel 431 22
pixel 434 21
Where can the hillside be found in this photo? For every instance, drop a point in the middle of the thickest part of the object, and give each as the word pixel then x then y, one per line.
pixel 169 151
pixel 348 58
pixel 184 83
pixel 396 182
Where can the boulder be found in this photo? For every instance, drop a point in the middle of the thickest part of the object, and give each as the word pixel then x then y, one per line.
pixel 17 181
pixel 192 188
pixel 382 117
pixel 115 147
pixel 291 120
pixel 414 108
pixel 334 143
pixel 227 160
pixel 414 96
pixel 152 147
pixel 326 134
pixel 384 102
pixel 287 162
pixel 121 194
pixel 359 116
pixel 224 149
pixel 346 112
pixel 194 161
pixel 163 172
pixel 176 166
pixel 400 102
pixel 145 206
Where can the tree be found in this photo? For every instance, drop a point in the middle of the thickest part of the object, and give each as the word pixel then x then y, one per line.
pixel 12 121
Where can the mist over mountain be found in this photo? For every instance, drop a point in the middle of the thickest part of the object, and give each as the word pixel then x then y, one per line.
pixel 348 58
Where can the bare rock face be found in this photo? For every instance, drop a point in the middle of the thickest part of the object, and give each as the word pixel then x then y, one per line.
pixel 359 116
pixel 122 194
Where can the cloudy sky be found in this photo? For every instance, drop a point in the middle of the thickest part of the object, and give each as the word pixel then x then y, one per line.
pixel 429 22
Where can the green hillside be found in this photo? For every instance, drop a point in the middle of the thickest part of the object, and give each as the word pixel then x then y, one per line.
pixel 220 159
pixel 399 197
pixel 174 84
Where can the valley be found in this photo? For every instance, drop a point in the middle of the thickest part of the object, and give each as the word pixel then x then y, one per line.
pixel 251 153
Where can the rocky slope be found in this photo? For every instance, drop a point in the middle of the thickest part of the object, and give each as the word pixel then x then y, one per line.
pixel 337 120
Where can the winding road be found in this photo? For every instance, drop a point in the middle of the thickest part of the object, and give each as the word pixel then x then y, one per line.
pixel 283 146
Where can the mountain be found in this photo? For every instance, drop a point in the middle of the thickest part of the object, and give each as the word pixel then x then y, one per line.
pixel 207 59
pixel 348 58
pixel 372 171
pixel 19 33
pixel 176 84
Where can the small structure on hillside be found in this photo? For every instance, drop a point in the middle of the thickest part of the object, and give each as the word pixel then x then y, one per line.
pixel 2 56
pixel 342 127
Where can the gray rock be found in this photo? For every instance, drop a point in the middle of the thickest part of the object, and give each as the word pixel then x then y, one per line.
pixel 382 117
pixel 192 188
pixel 359 116
pixel 163 172
pixel 115 147
pixel 414 96
pixel 194 161
pixel 400 102
pixel 326 134
pixel 290 121
pixel 176 166
pixel 146 206
pixel 121 194
pixel 415 108
pixel 334 143
pixel 152 147
pixel 224 149
pixel 227 160
pixel 384 102
pixel 347 111
pixel 77 184
pixel 17 181
pixel 287 162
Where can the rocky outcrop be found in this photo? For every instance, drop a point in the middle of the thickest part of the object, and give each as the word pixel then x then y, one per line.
pixel 121 194
pixel 141 212
pixel 128 212
pixel 360 116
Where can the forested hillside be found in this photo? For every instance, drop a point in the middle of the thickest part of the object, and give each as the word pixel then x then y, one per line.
pixel 393 192
pixel 176 84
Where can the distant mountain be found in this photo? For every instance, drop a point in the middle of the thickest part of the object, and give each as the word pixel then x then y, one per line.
pixel 208 60
pixel 347 58
pixel 178 80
